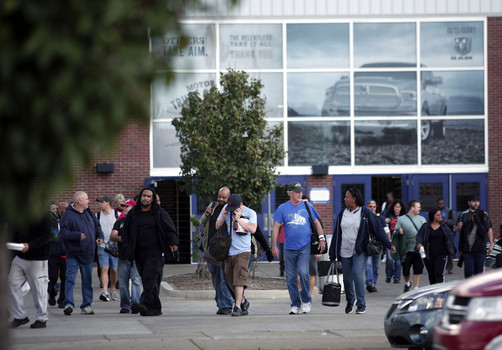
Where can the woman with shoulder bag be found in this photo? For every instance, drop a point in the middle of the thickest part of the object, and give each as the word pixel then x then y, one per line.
pixel 350 237
pixel 393 266
pixel 435 243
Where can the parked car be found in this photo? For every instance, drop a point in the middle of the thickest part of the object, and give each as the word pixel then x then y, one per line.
pixel 379 93
pixel 473 315
pixel 411 319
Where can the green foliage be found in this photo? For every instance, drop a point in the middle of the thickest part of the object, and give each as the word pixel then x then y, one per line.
pixel 73 73
pixel 225 140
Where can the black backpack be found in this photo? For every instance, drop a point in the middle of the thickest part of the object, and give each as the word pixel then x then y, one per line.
pixel 218 246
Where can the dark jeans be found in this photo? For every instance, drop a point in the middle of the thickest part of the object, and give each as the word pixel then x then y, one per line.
pixel 474 263
pixel 435 266
pixel 149 265
pixel 57 266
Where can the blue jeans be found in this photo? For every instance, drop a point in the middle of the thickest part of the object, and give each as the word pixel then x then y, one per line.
pixel 72 267
pixel 392 267
pixel 353 277
pixel 474 263
pixel 223 296
pixel 296 263
pixel 373 269
pixel 128 270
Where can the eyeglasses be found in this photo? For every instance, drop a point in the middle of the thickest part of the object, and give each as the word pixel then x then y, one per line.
pixel 124 206
pixel 372 206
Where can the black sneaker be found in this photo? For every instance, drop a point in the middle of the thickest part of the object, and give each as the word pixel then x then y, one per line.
pixel 245 307
pixel 406 288
pixel 387 280
pixel 361 310
pixel 138 308
pixel 52 300
pixel 224 312
pixel 18 322
pixel 236 312
pixel 68 310
pixel 368 288
pixel 125 311
pixel 396 281
pixel 38 324
pixel 374 289
pixel 349 308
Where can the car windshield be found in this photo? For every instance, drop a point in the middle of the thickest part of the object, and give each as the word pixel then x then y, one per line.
pixel 387 75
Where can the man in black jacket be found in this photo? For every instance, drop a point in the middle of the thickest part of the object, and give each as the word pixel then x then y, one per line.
pixel 147 233
pixel 30 264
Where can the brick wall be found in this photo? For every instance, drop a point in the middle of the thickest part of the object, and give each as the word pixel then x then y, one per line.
pixel 325 210
pixel 131 161
pixel 495 119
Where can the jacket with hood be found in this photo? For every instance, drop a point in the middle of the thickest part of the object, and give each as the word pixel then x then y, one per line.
pixel 72 225
pixel 37 236
pixel 369 223
pixel 166 230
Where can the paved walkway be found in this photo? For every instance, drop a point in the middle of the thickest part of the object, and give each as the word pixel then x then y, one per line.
pixel 193 323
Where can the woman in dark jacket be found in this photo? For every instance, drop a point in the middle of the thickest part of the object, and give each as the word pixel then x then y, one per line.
pixel 351 234
pixel 436 239
pixel 472 243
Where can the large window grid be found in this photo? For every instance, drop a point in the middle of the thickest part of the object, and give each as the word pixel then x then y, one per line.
pixel 350 130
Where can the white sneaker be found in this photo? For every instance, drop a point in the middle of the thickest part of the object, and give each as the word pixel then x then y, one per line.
pixel 104 297
pixel 306 308
pixel 115 295
pixel 295 310
pixel 87 311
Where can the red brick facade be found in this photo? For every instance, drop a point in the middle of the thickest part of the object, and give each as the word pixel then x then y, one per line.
pixel 495 119
pixel 131 161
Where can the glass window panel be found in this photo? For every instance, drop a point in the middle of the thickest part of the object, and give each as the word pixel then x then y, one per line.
pixel 168 100
pixel 270 125
pixel 385 93
pixel 323 45
pixel 429 194
pixel 385 142
pixel 166 146
pixel 319 143
pixel 272 92
pixel 316 94
pixel 464 191
pixel 453 93
pixel 451 44
pixel 200 53
pixel 389 44
pixel 453 141
pixel 250 46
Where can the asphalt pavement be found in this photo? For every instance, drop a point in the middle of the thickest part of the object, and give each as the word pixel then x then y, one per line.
pixel 189 321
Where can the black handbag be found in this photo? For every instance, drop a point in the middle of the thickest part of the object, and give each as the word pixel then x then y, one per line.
pixel 332 291
pixel 374 247
pixel 314 239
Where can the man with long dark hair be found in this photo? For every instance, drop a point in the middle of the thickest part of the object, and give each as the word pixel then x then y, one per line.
pixel 147 233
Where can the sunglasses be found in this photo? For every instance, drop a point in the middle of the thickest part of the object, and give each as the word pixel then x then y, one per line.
pixel 124 206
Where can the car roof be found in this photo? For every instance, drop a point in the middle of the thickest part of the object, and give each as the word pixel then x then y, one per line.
pixel 487 284
pixel 389 65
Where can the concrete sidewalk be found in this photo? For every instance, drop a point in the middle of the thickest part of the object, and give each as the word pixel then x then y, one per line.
pixel 193 323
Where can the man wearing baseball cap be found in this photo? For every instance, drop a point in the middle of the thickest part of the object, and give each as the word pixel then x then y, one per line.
pixel 242 224
pixel 297 232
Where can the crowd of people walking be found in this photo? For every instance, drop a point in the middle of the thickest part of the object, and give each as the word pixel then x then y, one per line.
pixel 130 240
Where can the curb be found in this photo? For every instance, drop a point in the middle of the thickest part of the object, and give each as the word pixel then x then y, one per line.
pixel 209 294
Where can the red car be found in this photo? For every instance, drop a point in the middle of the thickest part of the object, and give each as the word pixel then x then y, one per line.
pixel 472 318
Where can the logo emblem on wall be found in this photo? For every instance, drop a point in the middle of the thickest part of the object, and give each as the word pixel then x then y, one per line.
pixel 462 45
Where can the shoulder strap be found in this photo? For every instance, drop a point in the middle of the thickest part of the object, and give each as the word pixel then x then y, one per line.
pixel 314 229
pixel 416 228
pixel 116 213
pixel 98 215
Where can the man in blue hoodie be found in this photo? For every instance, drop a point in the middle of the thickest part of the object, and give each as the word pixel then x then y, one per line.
pixel 80 231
